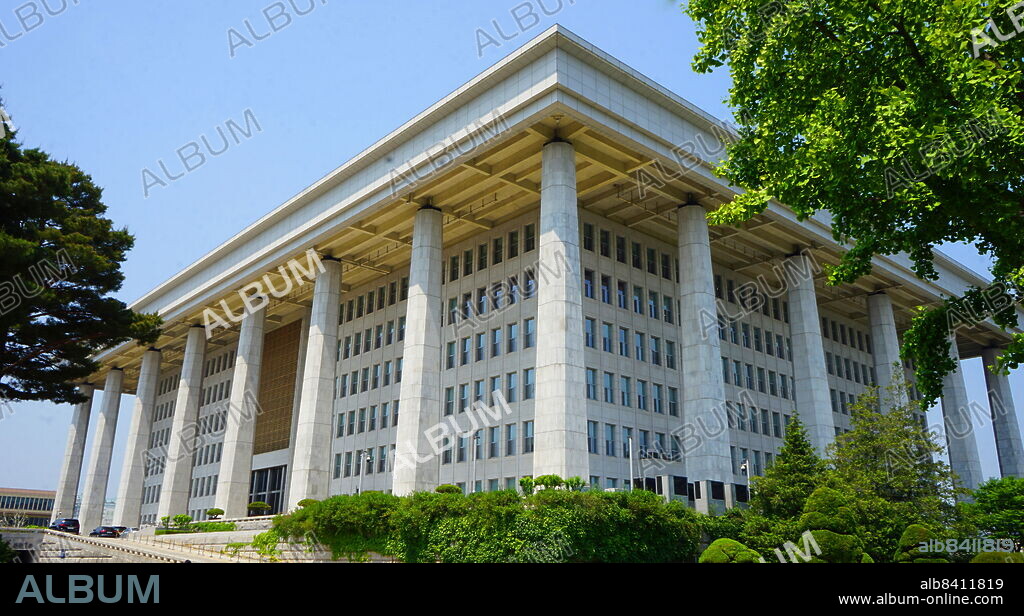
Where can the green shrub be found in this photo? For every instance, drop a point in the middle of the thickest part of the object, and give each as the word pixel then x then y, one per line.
pixel 214 513
pixel 448 488
pixel 7 553
pixel 576 484
pixel 549 481
pixel 265 545
pixel 999 557
pixel 830 520
pixel 729 551
pixel 166 521
pixel 528 485
pixel 182 520
pixel 306 502
pixel 258 508
pixel 910 551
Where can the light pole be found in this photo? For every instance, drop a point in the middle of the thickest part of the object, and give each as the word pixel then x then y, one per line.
pixel 745 469
pixel 472 470
pixel 369 459
pixel 630 441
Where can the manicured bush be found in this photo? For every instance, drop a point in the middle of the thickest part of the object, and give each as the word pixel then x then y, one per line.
pixel 306 502
pixel 258 508
pixel 729 551
pixel 910 550
pixel 549 481
pixel 214 513
pixel 448 488
pixel 832 524
pixel 999 557
pixel 182 520
pixel 527 485
pixel 576 484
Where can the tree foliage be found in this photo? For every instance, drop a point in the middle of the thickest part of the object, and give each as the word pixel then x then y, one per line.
pixel 785 486
pixel 900 118
pixel 59 261
pixel 998 509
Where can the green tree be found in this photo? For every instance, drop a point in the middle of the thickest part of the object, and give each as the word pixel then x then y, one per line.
pixel 797 471
pixel 59 260
pixel 998 509
pixel 902 118
pixel 7 553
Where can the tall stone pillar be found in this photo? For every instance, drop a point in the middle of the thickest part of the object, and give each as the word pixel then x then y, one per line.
pixel 310 474
pixel 174 494
pixel 963 448
pixel 128 507
pixel 71 471
pixel 1004 418
pixel 98 473
pixel 809 376
pixel 700 351
pixel 239 434
pixel 560 409
pixel 420 392
pixel 885 344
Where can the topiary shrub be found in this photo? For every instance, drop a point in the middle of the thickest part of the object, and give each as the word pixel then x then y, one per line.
pixel 831 522
pixel 448 488
pixel 166 521
pixel 182 520
pixel 306 502
pixel 999 557
pixel 909 549
pixel 549 481
pixel 214 513
pixel 258 508
pixel 528 485
pixel 575 484
pixel 728 551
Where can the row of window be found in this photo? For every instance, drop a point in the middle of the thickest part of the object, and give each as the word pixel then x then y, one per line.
pixel 635 346
pixel 219 363
pixel 216 393
pixel 150 495
pixel 27 503
pixel 752 459
pixel 204 486
pixel 368 419
pixel 489 344
pixel 167 385
pixel 656 263
pixel 154 465
pixel 767 381
pixel 163 410
pixel 374 300
pixel 493 297
pixel 207 454
pixel 372 338
pixel 511 390
pixel 761 341
pixel 641 301
pixel 369 378
pixel 159 438
pixel 500 441
pixel 841 402
pixel 649 396
pixel 748 419
pixel 476 259
pixel 838 332
pixel 621 438
pixel 362 461
pixel 749 297
pixel 851 370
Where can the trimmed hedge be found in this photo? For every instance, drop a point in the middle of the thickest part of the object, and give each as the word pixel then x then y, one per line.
pixel 729 551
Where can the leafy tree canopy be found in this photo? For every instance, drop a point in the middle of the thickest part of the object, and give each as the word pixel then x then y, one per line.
pixel 998 509
pixel 902 119
pixel 797 470
pixel 59 260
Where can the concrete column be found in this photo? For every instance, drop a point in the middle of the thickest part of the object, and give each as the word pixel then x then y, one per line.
pixel 700 351
pixel 963 448
pixel 128 508
pixel 310 474
pixel 297 397
pixel 174 493
pixel 95 492
pixel 71 471
pixel 420 392
pixel 243 407
pixel 809 376
pixel 1009 447
pixel 885 344
pixel 560 409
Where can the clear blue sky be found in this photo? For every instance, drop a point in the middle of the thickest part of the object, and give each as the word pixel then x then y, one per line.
pixel 117 86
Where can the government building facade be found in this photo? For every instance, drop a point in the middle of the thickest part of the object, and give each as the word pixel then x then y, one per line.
pixel 521 280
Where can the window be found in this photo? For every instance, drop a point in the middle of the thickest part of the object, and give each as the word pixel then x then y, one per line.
pixel 637 255
pixel 497 250
pixel 667 309
pixel 606 243
pixel 625 388
pixel 481 301
pixel 463 397
pixel 623 342
pixel 450 355
pixel 496 342
pixel 453 267
pixel 606 337
pixel 513 337
pixel 641 395
pixel 464 355
pixel 670 354
pixel 652 261
pixel 639 346
pixel 390 336
pixel 481 257
pixel 529 333
pixel 638 299
pixel 449 400
pixel 588 283
pixel 750 376
pixel 589 325
pixel 656 396
pixel 513 244
pixel 529 238
pixel 510 439
pixel 591 384
pixel 620 293
pixel 761 385
pixel 511 386
pixel 478 390
pixel 620 249
pixel 592 433
pixel 655 350
pixel 467 262
pixel 609 388
pixel 588 237
pixel 606 289
pixel 529 376
pixel 528 436
pixel 492 442
pixel 652 304
pixel 666 267
pixel 609 440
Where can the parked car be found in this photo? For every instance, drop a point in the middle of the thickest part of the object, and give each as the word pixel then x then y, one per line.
pixel 105 531
pixel 67 525
pixel 121 530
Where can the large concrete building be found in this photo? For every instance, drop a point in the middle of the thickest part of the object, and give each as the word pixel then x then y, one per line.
pixel 540 232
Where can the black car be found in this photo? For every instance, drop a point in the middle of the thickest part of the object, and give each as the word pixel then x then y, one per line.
pixel 105 531
pixel 67 525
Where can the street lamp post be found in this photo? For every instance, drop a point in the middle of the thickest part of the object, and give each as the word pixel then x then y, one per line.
pixel 367 458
